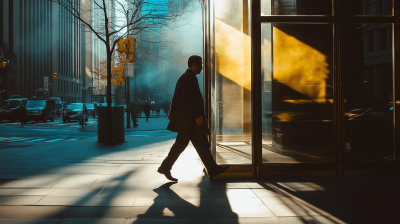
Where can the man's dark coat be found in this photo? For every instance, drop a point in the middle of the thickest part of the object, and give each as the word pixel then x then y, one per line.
pixel 187 103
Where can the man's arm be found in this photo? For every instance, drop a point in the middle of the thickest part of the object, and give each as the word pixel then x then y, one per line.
pixel 190 91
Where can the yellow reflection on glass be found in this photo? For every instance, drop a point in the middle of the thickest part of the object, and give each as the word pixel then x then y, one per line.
pixel 299 66
pixel 234 54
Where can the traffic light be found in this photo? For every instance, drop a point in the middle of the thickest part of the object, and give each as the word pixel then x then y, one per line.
pixel 3 63
pixel 127 46
pixel 132 49
pixel 54 76
pixel 121 46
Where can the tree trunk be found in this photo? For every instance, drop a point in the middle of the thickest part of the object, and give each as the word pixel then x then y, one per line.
pixel 109 101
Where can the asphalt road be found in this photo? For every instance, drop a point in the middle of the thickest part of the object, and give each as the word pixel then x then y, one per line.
pixel 42 132
pixel 59 131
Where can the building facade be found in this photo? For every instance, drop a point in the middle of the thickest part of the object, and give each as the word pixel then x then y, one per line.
pixel 27 41
pixel 70 42
pixel 42 37
pixel 303 87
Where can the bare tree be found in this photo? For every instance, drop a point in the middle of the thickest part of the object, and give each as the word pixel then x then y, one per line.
pixel 111 20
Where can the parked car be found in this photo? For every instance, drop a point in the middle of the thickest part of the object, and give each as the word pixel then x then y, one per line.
pixel 74 112
pixel 40 110
pixel 58 106
pixel 91 110
pixel 10 111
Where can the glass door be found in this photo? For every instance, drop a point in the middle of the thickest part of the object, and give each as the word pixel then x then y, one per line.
pixel 326 87
pixel 297 93
pixel 230 80
pixel 297 118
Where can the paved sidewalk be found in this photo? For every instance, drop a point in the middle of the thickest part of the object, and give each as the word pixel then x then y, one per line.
pixel 86 182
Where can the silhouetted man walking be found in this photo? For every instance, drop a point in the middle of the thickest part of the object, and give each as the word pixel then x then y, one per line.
pixel 187 117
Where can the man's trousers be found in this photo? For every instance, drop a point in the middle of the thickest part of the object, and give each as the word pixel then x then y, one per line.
pixel 202 147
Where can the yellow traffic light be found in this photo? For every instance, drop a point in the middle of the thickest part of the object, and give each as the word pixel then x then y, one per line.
pixel 54 76
pixel 132 49
pixel 121 46
pixel 3 64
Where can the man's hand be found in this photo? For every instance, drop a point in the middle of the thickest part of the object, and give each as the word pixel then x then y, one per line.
pixel 199 120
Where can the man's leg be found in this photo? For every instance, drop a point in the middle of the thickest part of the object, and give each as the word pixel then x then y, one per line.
pixel 181 142
pixel 203 149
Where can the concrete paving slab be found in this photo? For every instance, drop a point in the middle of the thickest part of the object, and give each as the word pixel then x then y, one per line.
pixel 279 200
pixel 29 221
pixel 37 181
pixel 74 192
pixel 95 221
pixel 271 220
pixel 251 211
pixel 311 220
pixel 296 210
pixel 75 183
pixel 267 193
pixel 62 170
pixel 19 200
pixel 25 192
pixel 219 185
pixel 86 201
pixel 203 202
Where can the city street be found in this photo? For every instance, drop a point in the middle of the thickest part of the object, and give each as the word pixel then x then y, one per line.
pixel 59 131
pixel 52 173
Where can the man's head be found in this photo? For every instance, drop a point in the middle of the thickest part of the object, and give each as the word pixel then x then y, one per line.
pixel 195 63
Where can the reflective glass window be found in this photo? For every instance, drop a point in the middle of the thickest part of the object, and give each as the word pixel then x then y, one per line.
pixel 368 88
pixel 231 79
pixel 297 93
pixel 296 7
pixel 368 7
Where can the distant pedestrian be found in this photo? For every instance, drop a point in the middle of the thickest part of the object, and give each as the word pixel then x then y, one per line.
pixel 133 110
pixel 22 113
pixel 83 117
pixel 158 112
pixel 188 119
pixel 147 109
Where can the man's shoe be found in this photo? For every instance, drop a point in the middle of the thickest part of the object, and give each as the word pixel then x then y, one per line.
pixel 221 169
pixel 167 174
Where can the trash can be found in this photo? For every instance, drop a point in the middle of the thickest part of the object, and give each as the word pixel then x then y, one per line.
pixel 118 131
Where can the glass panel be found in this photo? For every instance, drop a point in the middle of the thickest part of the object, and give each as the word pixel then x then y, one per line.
pixel 368 87
pixel 368 7
pixel 297 93
pixel 296 7
pixel 232 81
